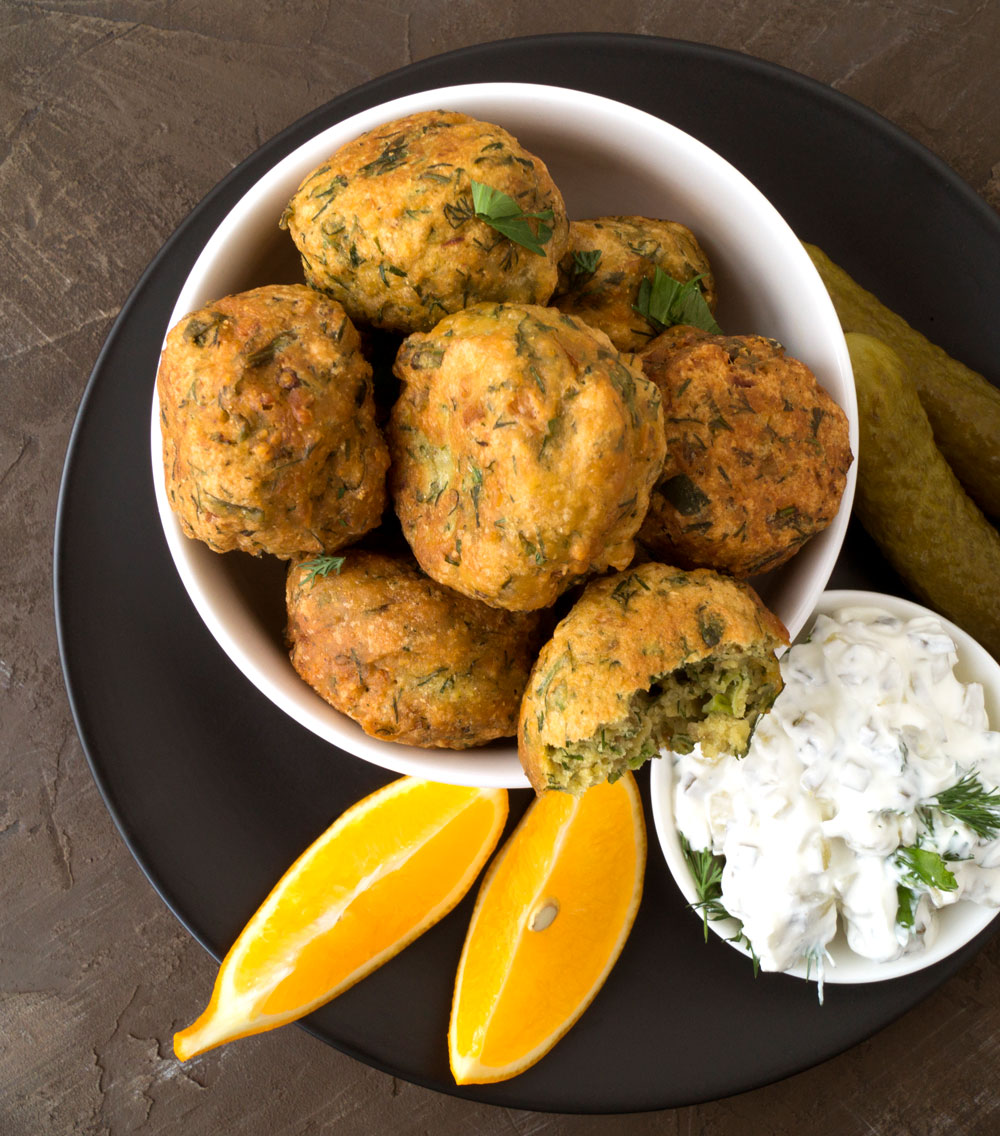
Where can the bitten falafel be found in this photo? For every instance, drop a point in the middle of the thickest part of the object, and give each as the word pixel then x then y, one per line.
pixel 757 452
pixel 269 437
pixel 523 452
pixel 649 658
pixel 388 226
pixel 407 659
pixel 606 261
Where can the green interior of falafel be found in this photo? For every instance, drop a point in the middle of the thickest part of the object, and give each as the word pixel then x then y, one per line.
pixel 715 702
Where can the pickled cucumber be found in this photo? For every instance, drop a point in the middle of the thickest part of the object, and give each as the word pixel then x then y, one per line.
pixel 963 406
pixel 913 505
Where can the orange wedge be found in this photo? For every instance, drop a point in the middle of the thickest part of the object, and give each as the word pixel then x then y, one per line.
pixel 552 915
pixel 382 874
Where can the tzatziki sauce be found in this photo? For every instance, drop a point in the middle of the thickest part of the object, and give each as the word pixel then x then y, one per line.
pixel 868 796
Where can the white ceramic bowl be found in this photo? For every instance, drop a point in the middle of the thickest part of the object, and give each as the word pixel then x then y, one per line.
pixel 606 158
pixel 957 923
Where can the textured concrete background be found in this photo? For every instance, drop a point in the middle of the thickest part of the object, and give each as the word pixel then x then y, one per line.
pixel 105 109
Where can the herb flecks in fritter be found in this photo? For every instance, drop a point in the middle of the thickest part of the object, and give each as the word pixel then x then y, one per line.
pixel 268 422
pixel 757 452
pixel 647 659
pixel 394 227
pixel 524 450
pixel 407 659
pixel 631 276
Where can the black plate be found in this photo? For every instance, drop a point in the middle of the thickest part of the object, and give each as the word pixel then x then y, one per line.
pixel 216 791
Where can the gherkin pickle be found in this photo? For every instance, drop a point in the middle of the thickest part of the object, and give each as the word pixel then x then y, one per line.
pixel 913 505
pixel 962 406
pixel 648 658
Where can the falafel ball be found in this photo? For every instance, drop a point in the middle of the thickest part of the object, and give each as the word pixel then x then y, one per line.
pixel 523 452
pixel 650 658
pixel 757 452
pixel 607 260
pixel 407 659
pixel 388 226
pixel 269 436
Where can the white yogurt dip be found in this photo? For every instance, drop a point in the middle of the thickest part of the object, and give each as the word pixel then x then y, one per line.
pixel 868 795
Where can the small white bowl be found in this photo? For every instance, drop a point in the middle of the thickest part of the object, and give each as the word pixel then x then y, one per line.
pixel 606 158
pixel 957 923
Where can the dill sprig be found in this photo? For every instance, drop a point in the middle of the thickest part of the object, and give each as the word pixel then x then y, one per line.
pixel 584 264
pixel 971 803
pixel 816 958
pixel 503 213
pixel 320 566
pixel 706 872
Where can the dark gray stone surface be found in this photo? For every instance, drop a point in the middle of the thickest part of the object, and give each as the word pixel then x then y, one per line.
pixel 117 117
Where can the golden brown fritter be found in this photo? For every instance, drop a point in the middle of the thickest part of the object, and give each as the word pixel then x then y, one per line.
pixel 607 259
pixel 269 437
pixel 757 452
pixel 407 659
pixel 524 450
pixel 387 225
pixel 649 658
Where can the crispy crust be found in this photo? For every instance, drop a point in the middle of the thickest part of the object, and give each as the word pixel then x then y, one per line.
pixel 757 453
pixel 631 249
pixel 387 225
pixel 524 450
pixel 269 436
pixel 408 660
pixel 625 632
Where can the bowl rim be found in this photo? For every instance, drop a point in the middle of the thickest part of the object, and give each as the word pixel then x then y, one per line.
pixel 496 765
pixel 959 922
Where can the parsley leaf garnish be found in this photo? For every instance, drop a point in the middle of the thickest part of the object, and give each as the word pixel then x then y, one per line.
pixel 906 909
pixel 925 868
pixel 504 214
pixel 920 869
pixel 664 302
pixel 321 566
